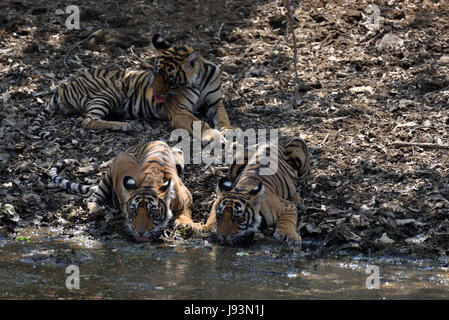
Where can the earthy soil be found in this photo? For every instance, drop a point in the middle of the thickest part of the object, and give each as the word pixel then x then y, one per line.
pixel 358 94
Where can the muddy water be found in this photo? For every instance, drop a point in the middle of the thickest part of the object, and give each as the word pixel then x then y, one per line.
pixel 118 269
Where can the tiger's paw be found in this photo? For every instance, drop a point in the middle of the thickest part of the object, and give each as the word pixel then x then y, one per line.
pixel 95 124
pixel 94 207
pixel 210 228
pixel 231 134
pixel 186 224
pixel 212 136
pixel 123 127
pixel 292 238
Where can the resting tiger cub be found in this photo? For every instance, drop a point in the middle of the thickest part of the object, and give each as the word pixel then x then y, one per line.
pixel 143 182
pixel 248 201
pixel 183 83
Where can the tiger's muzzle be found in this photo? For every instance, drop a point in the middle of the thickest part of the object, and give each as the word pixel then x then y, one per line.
pixel 230 233
pixel 149 222
pixel 160 88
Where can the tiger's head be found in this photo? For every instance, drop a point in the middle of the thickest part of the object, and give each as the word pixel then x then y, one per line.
pixel 237 212
pixel 175 67
pixel 147 208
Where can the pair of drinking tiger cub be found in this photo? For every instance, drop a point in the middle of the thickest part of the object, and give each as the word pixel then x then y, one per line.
pixel 144 183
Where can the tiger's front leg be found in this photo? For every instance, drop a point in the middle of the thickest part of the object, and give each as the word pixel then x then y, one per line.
pixel 97 109
pixel 286 224
pixel 181 118
pixel 185 220
pixel 99 124
pixel 218 117
pixel 211 223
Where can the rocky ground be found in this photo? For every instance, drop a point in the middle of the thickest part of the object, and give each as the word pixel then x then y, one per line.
pixel 369 77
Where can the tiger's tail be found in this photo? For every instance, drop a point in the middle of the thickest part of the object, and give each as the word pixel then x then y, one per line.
pixel 72 187
pixel 296 154
pixel 43 116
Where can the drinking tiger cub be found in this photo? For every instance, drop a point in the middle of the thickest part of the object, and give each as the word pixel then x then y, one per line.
pixel 143 182
pixel 248 201
pixel 183 83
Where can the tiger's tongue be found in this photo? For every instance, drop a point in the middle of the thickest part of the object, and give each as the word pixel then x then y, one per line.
pixel 142 239
pixel 159 99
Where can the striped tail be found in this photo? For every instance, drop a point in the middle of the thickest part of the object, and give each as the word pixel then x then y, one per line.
pixel 296 154
pixel 72 187
pixel 44 115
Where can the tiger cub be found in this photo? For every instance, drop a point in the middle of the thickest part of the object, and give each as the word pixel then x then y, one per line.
pixel 248 201
pixel 143 182
pixel 182 84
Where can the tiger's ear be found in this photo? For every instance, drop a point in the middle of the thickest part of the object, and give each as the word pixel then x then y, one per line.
pixel 179 159
pixel 129 183
pixel 258 190
pixel 192 57
pixel 159 42
pixel 224 185
pixel 165 186
pixel 168 190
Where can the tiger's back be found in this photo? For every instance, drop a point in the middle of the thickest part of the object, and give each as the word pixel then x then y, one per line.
pixel 276 166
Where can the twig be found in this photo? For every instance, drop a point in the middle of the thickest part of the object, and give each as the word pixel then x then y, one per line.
pixel 219 31
pixel 140 59
pixel 324 140
pixel 420 145
pixel 248 49
pixel 288 4
pixel 249 114
pixel 308 110
pixel 77 44
pixel 32 8
pixel 218 37
pixel 335 119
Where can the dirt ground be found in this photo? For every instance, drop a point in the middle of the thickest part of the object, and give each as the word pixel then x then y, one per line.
pixel 367 79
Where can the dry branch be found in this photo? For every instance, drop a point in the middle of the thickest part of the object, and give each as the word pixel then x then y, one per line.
pixel 420 145
pixel 77 44
pixel 288 5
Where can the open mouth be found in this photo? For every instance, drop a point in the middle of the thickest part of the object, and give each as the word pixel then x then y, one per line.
pixel 159 99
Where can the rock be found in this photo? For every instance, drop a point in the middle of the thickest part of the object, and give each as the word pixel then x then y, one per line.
pixel 390 41
pixel 384 239
pixel 355 220
pixel 362 89
pixel 443 60
pixel 8 211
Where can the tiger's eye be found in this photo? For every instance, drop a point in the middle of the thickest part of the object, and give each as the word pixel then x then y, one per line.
pixel 133 211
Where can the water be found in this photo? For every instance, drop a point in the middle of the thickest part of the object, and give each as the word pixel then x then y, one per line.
pixel 118 269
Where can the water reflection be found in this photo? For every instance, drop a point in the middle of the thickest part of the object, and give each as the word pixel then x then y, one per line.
pixel 197 270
